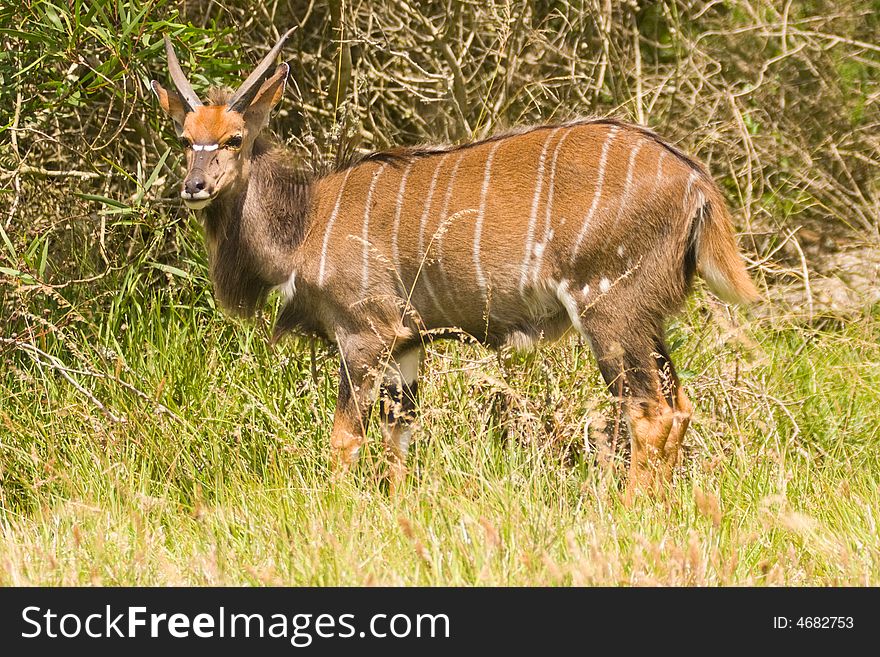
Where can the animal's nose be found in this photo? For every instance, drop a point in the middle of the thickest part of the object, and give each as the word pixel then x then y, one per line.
pixel 194 184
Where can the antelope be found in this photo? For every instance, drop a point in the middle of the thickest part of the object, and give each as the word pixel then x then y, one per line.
pixel 594 224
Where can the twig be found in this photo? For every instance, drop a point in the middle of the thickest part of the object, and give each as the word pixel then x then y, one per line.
pixel 57 365
pixel 806 275
pixel 26 169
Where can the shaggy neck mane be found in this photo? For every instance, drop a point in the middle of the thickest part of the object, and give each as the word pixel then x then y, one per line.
pixel 253 232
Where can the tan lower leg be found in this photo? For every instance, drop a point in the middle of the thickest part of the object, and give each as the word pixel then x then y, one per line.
pixel 649 431
pixel 345 443
pixel 680 422
pixel 397 437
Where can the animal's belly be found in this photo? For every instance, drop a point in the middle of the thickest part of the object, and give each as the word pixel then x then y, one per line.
pixel 498 314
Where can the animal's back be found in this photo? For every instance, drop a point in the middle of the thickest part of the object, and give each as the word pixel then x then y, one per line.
pixel 496 237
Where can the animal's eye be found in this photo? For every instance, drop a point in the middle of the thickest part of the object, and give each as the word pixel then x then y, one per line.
pixel 233 142
pixel 186 143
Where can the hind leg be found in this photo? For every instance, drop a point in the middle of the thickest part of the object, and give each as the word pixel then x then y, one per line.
pixel 676 398
pixel 638 372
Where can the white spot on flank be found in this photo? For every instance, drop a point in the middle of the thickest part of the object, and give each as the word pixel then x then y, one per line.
pixel 604 285
pixel 533 215
pixel 620 250
pixel 481 213
pixel 330 222
pixel 597 195
pixel 586 290
pixel 365 232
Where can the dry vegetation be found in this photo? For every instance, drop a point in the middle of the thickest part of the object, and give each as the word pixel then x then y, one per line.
pixel 146 439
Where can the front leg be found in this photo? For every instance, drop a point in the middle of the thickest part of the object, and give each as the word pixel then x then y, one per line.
pixel 357 378
pixel 399 399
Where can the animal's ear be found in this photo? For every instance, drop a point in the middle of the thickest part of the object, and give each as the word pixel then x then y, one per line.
pixel 172 104
pixel 267 97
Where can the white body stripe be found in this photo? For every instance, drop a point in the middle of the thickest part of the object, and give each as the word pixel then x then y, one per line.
pixel 627 185
pixel 441 229
pixel 533 214
pixel 398 207
pixel 659 170
pixel 597 195
pixel 323 264
pixel 481 214
pixel 428 201
pixel 692 178
pixel 422 254
pixel 699 198
pixel 365 232
pixel 548 214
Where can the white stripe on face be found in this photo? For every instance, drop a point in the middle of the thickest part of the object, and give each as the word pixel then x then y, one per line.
pixel 597 195
pixel 533 215
pixel 365 232
pixel 330 222
pixel 630 168
pixel 205 147
pixel 481 213
pixel 548 231
pixel 395 256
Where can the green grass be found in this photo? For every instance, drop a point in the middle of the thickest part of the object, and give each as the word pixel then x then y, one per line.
pixel 231 485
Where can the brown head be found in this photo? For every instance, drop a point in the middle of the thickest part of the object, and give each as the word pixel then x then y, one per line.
pixel 219 138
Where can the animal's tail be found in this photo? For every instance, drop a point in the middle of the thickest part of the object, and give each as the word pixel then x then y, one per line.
pixel 712 248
